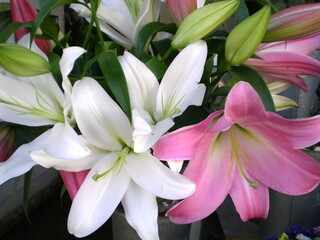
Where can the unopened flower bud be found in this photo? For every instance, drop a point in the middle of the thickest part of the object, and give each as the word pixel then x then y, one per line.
pixel 293 23
pixel 21 61
pixel 244 39
pixel 180 9
pixel 7 137
pixel 203 21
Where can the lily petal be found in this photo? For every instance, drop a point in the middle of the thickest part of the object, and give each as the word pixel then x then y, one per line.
pixel 141 211
pixel 66 64
pixel 243 101
pixel 64 142
pixel 71 165
pixel 297 133
pixel 301 173
pixel 249 202
pixel 89 211
pixel 145 133
pixel 188 138
pixel 91 104
pixel 282 103
pixel 303 46
pixel 213 176
pixel 22 104
pixel 142 84
pixel 181 78
pixel 157 178
pixel 20 162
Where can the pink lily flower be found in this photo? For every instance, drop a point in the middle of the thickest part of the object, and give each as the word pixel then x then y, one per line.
pixel 242 151
pixel 287 60
pixel 23 11
pixel 73 181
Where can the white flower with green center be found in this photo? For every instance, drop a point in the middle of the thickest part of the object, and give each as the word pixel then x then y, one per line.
pixel 122 20
pixel 117 174
pixel 36 101
pixel 154 106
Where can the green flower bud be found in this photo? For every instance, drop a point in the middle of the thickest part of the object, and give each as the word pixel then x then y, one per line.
pixel 244 39
pixel 21 61
pixel 203 21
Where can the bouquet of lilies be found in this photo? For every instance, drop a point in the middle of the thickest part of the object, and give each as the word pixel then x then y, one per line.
pixel 176 99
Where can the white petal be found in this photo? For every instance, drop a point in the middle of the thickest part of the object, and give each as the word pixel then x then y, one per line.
pixel 142 84
pixel 20 162
pixel 176 165
pixel 181 78
pixel 117 20
pixel 149 12
pixel 70 165
pixel 21 99
pixel 145 133
pixel 118 5
pixel 66 64
pixel 155 177
pixel 96 201
pixel 283 103
pixel 141 211
pixel 99 118
pixel 64 142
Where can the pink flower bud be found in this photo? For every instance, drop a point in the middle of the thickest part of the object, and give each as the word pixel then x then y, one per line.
pixel 293 23
pixel 180 9
pixel 7 137
pixel 22 11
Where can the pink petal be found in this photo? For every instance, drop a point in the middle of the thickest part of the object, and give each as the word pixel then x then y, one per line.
pixel 166 148
pixel 243 101
pixel 249 202
pixel 286 63
pixel 210 169
pixel 298 81
pixel 285 170
pixel 73 181
pixel 303 46
pixel 292 133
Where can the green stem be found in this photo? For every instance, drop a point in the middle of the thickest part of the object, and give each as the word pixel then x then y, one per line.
pixel 94 7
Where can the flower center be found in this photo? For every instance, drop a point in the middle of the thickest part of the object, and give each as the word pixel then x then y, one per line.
pixel 237 156
pixel 118 164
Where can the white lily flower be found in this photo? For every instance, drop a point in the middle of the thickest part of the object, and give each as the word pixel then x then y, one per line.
pixel 35 101
pixel 154 106
pixel 118 173
pixel 122 20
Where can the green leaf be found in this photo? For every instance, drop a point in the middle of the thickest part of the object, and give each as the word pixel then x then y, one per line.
pixel 45 10
pixel 26 188
pixel 242 12
pixel 148 32
pixel 157 67
pixel 5 7
pixel 192 115
pixel 221 91
pixel 115 79
pixel 51 29
pixel 9 30
pixel 243 73
pixel 208 67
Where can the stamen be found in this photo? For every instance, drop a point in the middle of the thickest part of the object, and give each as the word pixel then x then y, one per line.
pixel 238 154
pixel 119 163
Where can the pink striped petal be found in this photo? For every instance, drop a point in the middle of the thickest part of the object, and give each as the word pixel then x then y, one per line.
pixel 73 181
pixel 210 169
pixel 286 63
pixel 166 148
pixel 243 101
pixel 285 170
pixel 303 45
pixel 249 202
pixel 292 133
